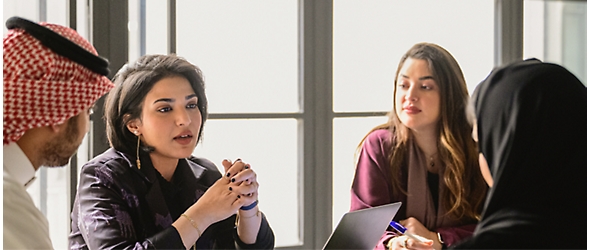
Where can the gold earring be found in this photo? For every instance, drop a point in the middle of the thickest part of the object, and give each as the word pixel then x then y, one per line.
pixel 138 145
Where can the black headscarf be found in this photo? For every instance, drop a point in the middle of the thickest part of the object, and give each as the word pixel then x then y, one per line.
pixel 532 129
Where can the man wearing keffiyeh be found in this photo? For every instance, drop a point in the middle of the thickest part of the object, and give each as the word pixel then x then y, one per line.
pixel 52 77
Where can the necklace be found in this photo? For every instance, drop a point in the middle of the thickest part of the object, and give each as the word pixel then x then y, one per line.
pixel 432 161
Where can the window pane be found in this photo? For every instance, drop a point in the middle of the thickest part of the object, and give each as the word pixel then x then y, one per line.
pixel 57 12
pixel 82 19
pixel 556 31
pixel 134 30
pixel 156 29
pixel 347 134
pixel 28 9
pixel 366 51
pixel 247 50
pixel 270 146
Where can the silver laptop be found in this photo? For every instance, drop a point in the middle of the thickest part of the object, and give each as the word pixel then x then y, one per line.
pixel 361 229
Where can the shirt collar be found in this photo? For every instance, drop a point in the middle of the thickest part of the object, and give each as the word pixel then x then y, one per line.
pixel 18 165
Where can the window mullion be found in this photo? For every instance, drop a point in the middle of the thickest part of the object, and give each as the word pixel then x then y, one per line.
pixel 509 31
pixel 315 44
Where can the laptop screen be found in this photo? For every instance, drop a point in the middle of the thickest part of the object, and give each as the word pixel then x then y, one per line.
pixel 362 229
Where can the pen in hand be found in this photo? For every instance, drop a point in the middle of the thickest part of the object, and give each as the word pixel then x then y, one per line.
pixel 401 229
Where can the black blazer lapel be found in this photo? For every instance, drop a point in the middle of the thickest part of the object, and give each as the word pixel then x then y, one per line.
pixel 193 186
pixel 160 214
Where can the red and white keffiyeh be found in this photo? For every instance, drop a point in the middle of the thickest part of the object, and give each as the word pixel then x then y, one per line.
pixel 42 88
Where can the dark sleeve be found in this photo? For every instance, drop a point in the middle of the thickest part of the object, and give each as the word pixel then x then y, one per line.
pixel 371 185
pixel 105 213
pixel 502 237
pixel 477 243
pixel 514 228
pixel 265 239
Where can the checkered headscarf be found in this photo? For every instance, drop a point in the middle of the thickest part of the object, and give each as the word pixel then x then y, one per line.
pixel 41 86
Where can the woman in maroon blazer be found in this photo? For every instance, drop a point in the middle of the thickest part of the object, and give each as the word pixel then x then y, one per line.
pixel 424 156
pixel 147 191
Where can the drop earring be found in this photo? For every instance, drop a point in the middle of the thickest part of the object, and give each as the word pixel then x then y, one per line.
pixel 138 146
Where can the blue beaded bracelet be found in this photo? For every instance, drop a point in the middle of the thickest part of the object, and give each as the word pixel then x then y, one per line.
pixel 250 206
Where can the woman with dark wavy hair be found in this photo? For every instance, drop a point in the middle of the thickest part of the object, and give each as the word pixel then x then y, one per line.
pixel 424 156
pixel 148 191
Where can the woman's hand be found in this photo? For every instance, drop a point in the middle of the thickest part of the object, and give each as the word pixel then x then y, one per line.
pixel 404 242
pixel 243 180
pixel 218 202
pixel 414 226
pixel 245 184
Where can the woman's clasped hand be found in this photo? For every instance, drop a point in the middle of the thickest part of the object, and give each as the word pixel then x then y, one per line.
pixel 238 188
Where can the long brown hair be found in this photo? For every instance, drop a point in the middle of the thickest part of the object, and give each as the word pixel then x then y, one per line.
pixel 465 186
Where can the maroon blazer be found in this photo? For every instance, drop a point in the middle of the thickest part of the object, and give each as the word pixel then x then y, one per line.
pixel 120 206
pixel 372 186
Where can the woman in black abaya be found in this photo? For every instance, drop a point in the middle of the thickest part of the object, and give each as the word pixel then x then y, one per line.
pixel 531 124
